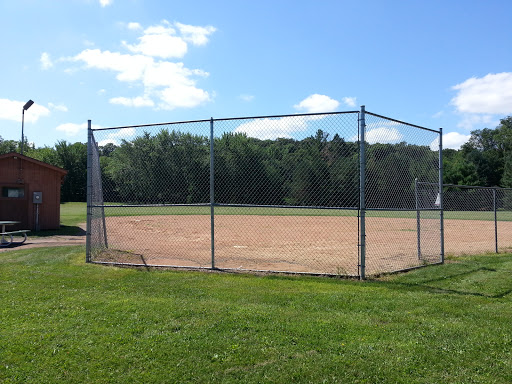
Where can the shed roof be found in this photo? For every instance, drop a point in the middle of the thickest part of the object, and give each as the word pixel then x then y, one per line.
pixel 34 161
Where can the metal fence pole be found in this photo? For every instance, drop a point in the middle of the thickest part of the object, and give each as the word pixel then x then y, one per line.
pixel 362 201
pixel 89 193
pixel 495 219
pixel 212 195
pixel 418 221
pixel 441 206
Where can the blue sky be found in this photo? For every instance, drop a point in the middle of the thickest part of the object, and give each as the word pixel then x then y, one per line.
pixel 122 62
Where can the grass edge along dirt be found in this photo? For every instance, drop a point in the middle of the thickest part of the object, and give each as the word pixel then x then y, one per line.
pixel 67 321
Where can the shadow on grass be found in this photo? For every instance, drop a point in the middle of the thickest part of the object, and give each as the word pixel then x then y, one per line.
pixel 64 230
pixel 494 283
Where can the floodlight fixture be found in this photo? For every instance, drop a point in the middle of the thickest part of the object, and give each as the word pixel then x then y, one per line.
pixel 27 105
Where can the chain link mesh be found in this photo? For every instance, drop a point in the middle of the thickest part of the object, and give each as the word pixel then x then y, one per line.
pixel 477 219
pixel 400 232
pixel 285 194
pixel 273 188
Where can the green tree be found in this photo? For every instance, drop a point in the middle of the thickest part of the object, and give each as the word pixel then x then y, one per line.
pixel 458 170
pixel 73 158
pixel 7 146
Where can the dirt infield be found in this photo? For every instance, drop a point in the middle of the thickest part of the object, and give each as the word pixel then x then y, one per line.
pixel 312 244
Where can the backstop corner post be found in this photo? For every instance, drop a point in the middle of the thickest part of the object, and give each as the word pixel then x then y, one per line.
pixel 89 193
pixel 441 198
pixel 212 194
pixel 362 201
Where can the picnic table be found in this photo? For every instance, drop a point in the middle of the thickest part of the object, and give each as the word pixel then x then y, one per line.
pixel 5 234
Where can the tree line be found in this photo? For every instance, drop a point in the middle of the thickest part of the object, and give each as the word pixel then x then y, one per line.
pixel 320 170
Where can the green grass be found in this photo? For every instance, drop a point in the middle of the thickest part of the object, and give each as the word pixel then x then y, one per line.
pixel 77 212
pixel 66 321
pixel 73 214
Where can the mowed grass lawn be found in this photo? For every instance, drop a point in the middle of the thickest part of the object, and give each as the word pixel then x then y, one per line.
pixel 75 213
pixel 64 321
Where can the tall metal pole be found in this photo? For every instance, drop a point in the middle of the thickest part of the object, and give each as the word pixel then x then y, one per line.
pixel 212 195
pixel 89 193
pixel 441 205
pixel 22 126
pixel 362 201
pixel 418 221
pixel 27 105
pixel 495 219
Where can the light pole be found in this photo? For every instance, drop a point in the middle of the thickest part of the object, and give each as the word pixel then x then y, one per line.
pixel 27 105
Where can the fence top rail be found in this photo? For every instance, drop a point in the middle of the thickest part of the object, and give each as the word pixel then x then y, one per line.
pixel 465 186
pixel 403 122
pixel 226 119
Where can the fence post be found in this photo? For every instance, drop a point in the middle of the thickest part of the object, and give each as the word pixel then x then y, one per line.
pixel 495 219
pixel 362 201
pixel 418 221
pixel 212 195
pixel 89 193
pixel 441 205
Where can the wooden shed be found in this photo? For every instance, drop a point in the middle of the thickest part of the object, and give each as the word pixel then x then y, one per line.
pixel 30 192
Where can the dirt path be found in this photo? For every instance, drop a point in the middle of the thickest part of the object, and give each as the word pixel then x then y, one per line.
pixel 49 241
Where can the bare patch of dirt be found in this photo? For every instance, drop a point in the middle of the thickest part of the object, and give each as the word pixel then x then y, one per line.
pixel 48 241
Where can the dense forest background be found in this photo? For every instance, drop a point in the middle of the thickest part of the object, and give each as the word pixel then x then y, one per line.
pixel 320 170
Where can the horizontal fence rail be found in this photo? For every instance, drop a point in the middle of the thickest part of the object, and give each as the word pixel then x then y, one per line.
pixel 329 193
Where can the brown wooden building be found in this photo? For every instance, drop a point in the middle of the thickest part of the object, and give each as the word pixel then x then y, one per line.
pixel 30 192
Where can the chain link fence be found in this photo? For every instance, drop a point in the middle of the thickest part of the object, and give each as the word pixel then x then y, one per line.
pixel 291 193
pixel 476 219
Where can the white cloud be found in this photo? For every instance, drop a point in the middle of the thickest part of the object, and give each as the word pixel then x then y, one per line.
pixel 105 3
pixel 383 135
pixel 317 103
pixel 469 121
pixel 194 34
pixel 132 102
pixel 166 84
pixel 58 107
pixel 12 110
pixel 115 137
pixel 350 101
pixel 273 128
pixel 491 94
pixel 71 129
pixel 134 26
pixel 452 140
pixel 162 45
pixel 46 62
pixel 130 67
pixel 182 96
pixel 246 97
pixel 172 83
pixel 480 100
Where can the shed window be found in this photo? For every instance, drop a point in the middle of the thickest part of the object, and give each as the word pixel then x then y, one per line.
pixel 13 192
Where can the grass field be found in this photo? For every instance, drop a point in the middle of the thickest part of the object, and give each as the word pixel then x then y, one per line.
pixel 66 321
pixel 73 211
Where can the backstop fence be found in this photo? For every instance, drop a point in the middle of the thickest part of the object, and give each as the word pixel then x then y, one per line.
pixel 346 193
